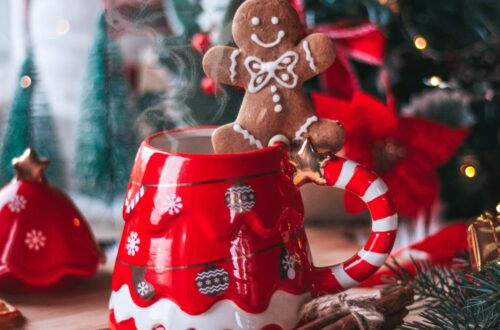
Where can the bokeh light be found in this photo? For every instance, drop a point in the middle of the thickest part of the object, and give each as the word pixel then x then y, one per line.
pixel 63 26
pixel 420 42
pixel 25 81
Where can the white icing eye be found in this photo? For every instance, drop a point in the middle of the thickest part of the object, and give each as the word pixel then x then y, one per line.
pixel 285 77
pixel 255 21
pixel 275 20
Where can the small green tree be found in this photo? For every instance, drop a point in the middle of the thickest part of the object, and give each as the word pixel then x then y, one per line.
pixel 30 124
pixel 45 139
pixel 106 142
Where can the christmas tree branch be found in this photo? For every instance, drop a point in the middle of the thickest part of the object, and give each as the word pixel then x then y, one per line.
pixel 453 298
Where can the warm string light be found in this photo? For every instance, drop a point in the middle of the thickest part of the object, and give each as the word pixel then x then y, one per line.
pixel 469 167
pixel 25 81
pixel 470 171
pixel 498 208
pixel 391 4
pixel 420 42
pixel 435 81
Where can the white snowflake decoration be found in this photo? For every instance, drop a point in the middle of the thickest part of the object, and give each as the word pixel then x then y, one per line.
pixel 35 239
pixel 289 261
pixel 17 204
pixel 172 204
pixel 133 241
pixel 142 288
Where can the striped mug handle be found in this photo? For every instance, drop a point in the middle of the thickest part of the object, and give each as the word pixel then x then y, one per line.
pixel 351 177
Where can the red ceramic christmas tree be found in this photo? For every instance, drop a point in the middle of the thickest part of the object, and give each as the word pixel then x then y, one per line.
pixel 45 243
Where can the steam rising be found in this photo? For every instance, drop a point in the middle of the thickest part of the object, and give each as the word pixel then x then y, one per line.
pixel 167 36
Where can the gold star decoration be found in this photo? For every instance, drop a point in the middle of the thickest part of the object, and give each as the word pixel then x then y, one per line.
pixel 308 164
pixel 29 166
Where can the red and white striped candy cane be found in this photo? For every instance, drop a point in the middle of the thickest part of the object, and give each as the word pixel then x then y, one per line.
pixel 350 176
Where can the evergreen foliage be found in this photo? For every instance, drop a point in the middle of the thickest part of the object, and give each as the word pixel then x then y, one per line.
pixel 18 133
pixel 454 298
pixel 106 142
pixel 329 11
pixel 45 137
pixel 30 124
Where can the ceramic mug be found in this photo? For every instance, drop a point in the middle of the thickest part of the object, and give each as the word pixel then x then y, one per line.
pixel 217 241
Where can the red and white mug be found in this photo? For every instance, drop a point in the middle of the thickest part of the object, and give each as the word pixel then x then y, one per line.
pixel 217 241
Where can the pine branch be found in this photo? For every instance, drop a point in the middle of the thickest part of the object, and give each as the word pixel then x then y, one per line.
pixel 453 298
pixel 431 283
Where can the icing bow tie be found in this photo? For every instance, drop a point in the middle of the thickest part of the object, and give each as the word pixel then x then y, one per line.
pixel 280 70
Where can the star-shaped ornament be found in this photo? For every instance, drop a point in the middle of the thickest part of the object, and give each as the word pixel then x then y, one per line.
pixel 29 166
pixel 308 164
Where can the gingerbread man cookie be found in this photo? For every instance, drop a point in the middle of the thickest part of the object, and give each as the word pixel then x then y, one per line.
pixel 272 63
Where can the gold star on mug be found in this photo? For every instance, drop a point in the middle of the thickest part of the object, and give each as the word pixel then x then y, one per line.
pixel 308 163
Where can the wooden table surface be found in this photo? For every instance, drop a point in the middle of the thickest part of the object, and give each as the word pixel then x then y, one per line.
pixel 85 306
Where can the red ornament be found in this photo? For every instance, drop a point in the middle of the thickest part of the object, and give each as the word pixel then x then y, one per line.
pixel 208 86
pixel 405 151
pixel 200 42
pixel 45 242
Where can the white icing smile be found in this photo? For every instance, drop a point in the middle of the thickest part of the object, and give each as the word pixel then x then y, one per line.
pixel 255 38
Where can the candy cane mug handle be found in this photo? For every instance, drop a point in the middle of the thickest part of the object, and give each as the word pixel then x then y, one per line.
pixel 351 177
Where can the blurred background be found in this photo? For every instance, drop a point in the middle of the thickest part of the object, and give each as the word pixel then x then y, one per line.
pixel 415 83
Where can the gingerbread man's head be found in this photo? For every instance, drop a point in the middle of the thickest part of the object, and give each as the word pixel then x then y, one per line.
pixel 261 26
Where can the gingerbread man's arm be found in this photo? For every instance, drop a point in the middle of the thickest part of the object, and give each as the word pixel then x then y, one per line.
pixel 317 53
pixel 225 66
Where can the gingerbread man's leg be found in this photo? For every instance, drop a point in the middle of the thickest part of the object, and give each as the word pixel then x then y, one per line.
pixel 326 135
pixel 232 138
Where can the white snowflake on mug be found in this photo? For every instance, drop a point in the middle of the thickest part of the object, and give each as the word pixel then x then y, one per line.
pixel 172 204
pixel 142 288
pixel 17 204
pixel 133 241
pixel 35 239
pixel 289 261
